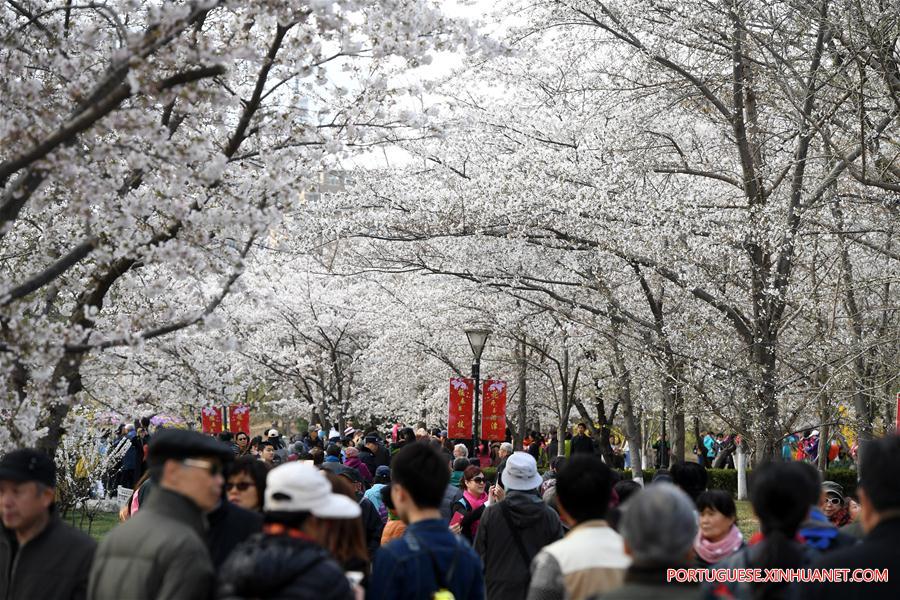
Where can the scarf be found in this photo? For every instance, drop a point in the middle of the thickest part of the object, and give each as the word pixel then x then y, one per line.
pixel 474 501
pixel 713 552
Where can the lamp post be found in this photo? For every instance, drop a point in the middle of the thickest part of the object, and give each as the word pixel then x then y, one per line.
pixel 477 339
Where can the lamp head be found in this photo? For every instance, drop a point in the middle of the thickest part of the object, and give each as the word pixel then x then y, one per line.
pixel 477 339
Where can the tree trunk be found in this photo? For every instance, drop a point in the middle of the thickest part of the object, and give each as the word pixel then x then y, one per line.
pixel 522 373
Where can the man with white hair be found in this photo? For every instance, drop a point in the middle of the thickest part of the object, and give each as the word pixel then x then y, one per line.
pixel 460 451
pixel 659 527
pixel 505 451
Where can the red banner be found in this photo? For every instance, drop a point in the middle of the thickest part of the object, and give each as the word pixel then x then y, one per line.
pixel 493 421
pixel 462 394
pixel 211 419
pixel 239 419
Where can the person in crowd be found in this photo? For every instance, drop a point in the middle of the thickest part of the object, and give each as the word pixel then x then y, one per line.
pixel 274 438
pixel 879 498
pixel 460 451
pixel 582 443
pixel 536 448
pixel 817 531
pixel 245 483
pixel 312 440
pixel 659 527
pixel 353 461
pixel 134 500
pixel 453 492
pixel 547 489
pixel 344 539
pixel 468 510
pixel 623 490
pixel 854 528
pixel 591 558
pixel 242 439
pixel 367 455
pixel 267 454
pixel 285 560
pixel 428 559
pixel 552 444
pixel 661 452
pixel 394 527
pixel 227 438
pixel 333 460
pixel 781 509
pixel 40 555
pixel 129 472
pixel 832 503
pixel 405 436
pixel 690 477
pixel 709 449
pixel 459 467
pixel 514 529
pixel 373 494
pixel 161 552
pixel 255 443
pixel 372 523
pixel 317 456
pixel 228 525
pixel 505 451
pixel 374 445
pixel 719 536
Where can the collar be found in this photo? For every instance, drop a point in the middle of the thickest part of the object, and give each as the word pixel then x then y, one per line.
pixel 591 524
pixel 175 505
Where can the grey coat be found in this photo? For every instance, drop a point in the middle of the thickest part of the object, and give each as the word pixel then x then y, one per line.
pixel 160 553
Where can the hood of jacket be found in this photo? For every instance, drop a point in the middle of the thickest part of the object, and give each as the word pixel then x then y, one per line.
pixel 525 508
pixel 267 564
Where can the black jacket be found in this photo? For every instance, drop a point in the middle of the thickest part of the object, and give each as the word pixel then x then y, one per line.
pixel 582 444
pixel 372 525
pixel 278 567
pixel 506 571
pixel 52 566
pixel 368 458
pixel 229 525
pixel 878 550
pixel 382 457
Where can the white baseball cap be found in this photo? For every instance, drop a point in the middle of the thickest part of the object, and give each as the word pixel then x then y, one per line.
pixel 298 487
pixel 272 433
pixel 520 473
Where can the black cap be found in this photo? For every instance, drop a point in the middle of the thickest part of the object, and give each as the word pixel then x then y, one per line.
pixel 371 439
pixel 181 443
pixel 28 464
pixel 351 474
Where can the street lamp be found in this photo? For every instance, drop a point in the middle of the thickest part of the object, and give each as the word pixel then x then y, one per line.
pixel 477 339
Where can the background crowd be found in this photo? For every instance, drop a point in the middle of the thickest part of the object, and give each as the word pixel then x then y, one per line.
pixel 412 514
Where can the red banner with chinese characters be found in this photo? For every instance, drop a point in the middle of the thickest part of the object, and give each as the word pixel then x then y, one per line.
pixel 239 419
pixel 493 421
pixel 211 419
pixel 462 394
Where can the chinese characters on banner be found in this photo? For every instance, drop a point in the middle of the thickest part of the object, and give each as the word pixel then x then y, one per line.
pixel 211 419
pixel 459 424
pixel 239 419
pixel 493 421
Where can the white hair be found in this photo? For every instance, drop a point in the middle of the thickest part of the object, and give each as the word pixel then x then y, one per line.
pixel 460 451
pixel 506 447
pixel 659 524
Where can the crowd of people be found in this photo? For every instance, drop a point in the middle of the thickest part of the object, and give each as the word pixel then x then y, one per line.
pixel 355 514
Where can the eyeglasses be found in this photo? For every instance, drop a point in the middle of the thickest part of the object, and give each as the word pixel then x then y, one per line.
pixel 478 479
pixel 833 501
pixel 242 486
pixel 211 468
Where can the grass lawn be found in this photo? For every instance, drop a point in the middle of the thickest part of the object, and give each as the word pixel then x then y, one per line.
pixel 103 522
pixel 747 522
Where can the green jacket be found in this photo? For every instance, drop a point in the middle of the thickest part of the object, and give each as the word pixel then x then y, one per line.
pixel 158 554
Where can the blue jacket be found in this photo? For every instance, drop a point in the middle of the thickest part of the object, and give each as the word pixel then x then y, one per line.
pixel 404 569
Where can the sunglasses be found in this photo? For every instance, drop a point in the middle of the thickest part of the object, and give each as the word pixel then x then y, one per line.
pixel 243 486
pixel 211 468
pixel 833 501
pixel 478 479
